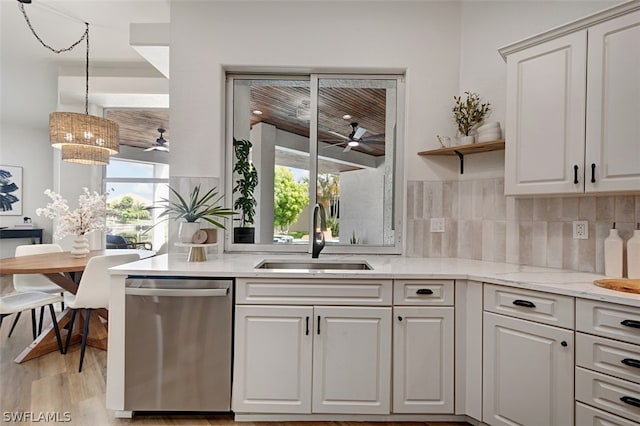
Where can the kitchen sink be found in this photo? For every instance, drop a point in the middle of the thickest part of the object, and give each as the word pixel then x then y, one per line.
pixel 358 265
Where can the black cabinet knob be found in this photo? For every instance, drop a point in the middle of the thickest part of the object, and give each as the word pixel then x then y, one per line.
pixel 564 344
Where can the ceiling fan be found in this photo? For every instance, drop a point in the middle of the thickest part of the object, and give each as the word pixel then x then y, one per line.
pixel 357 139
pixel 161 143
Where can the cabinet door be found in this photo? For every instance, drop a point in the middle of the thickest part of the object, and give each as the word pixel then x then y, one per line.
pixel 352 360
pixel 272 368
pixel 423 360
pixel 546 117
pixel 613 105
pixel 528 373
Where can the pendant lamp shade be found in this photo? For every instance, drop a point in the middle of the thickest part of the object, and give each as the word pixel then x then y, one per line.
pixel 83 138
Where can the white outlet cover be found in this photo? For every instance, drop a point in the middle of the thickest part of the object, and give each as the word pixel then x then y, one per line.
pixel 580 230
pixel 437 224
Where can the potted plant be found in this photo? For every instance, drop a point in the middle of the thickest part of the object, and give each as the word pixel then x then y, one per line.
pixel 244 186
pixel 196 207
pixel 468 113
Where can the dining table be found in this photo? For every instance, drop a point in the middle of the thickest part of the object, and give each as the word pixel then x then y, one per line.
pixel 64 270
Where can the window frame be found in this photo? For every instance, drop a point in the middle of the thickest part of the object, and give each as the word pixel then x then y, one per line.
pixel 398 164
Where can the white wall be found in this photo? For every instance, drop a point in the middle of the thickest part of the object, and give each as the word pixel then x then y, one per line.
pixel 422 38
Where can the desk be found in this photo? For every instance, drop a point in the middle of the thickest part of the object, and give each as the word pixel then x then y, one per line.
pixel 64 270
pixel 22 233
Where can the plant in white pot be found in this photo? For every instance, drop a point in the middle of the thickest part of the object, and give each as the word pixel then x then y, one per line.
pixel 468 113
pixel 196 207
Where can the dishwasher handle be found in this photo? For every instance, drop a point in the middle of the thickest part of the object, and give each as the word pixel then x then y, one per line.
pixel 170 292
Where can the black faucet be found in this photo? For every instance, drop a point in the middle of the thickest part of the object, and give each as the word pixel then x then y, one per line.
pixel 318 234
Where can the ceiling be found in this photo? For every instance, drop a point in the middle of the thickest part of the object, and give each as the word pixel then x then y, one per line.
pixel 139 127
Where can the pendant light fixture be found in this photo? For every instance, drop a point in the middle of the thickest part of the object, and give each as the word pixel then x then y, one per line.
pixel 82 138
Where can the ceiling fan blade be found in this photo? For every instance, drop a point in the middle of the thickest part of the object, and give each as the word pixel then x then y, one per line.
pixel 359 132
pixel 347 148
pixel 162 148
pixel 365 147
pixel 378 138
pixel 150 148
pixel 339 135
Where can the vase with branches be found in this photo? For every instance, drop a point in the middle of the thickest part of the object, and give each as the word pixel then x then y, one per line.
pixel 469 112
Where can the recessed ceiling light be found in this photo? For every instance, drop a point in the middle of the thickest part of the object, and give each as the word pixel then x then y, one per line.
pixel 257 112
pixel 346 117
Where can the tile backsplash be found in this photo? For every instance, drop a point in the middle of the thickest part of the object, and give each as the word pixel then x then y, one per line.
pixel 481 223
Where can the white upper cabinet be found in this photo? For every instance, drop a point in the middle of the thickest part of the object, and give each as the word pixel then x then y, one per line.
pixel 573 107
pixel 545 117
pixel 613 105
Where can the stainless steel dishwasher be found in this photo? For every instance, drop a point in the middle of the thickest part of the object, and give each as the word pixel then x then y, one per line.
pixel 178 344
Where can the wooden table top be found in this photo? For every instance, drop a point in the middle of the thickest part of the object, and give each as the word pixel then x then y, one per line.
pixel 51 263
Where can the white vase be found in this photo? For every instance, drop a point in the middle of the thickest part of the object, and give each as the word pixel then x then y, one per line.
pixel 80 247
pixel 186 231
pixel 466 140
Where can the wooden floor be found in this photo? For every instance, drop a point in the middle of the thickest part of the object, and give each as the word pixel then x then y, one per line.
pixel 51 383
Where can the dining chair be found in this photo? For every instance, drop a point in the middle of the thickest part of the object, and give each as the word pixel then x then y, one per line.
pixel 93 292
pixel 15 303
pixel 34 282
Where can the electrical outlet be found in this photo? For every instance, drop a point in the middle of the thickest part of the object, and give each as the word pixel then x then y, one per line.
pixel 437 224
pixel 580 230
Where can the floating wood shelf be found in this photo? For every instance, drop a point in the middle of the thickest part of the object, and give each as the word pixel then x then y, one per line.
pixel 462 150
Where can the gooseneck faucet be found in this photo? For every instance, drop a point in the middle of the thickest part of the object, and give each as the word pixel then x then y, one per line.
pixel 318 234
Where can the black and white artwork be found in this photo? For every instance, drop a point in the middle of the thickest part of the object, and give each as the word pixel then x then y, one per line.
pixel 10 191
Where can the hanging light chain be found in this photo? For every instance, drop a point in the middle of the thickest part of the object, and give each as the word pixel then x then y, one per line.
pixel 85 36
pixel 66 49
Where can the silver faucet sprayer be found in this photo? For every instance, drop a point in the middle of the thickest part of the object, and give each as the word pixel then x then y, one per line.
pixel 318 234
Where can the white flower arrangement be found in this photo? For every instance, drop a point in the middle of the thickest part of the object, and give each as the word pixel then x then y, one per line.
pixel 89 216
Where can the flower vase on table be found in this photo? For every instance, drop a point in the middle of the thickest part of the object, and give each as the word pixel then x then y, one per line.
pixel 80 246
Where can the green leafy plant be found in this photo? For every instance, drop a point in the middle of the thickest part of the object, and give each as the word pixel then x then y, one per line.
pixel 196 206
pixel 469 112
pixel 246 182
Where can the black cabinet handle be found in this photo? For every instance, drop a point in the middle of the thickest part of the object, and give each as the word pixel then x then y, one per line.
pixel 424 291
pixel 631 323
pixel 564 344
pixel 307 329
pixel 318 324
pixel 631 401
pixel 593 172
pixel 399 318
pixel 631 362
pixel 575 174
pixel 524 303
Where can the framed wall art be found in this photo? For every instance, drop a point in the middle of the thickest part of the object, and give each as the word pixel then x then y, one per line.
pixel 10 190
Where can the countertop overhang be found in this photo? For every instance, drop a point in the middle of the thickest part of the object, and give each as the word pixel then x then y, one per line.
pixel 559 281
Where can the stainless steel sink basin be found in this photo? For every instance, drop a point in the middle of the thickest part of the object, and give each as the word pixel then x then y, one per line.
pixel 307 264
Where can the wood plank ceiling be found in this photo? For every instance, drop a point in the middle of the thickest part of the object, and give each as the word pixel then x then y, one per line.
pixel 284 108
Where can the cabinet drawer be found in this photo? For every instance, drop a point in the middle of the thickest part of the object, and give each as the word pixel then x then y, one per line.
pixel 303 291
pixel 608 320
pixel 552 309
pixel 608 393
pixel 589 416
pixel 423 292
pixel 608 356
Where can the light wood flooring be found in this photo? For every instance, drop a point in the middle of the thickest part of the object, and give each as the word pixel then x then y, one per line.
pixel 51 383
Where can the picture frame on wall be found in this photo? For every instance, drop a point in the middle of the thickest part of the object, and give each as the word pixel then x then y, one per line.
pixel 10 190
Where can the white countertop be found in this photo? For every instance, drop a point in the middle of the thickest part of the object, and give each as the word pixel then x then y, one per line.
pixel 571 283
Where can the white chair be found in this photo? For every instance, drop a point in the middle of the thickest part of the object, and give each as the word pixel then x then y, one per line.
pixel 15 303
pixel 93 292
pixel 34 282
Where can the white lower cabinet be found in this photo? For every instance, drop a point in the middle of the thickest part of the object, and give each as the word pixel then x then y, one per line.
pixel 304 359
pixel 528 373
pixel 423 360
pixel 272 368
pixel 352 360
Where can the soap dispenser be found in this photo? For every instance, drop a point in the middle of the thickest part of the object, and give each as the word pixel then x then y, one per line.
pixel 613 254
pixel 633 254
